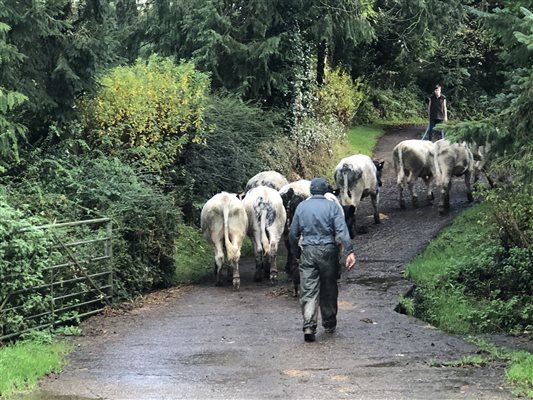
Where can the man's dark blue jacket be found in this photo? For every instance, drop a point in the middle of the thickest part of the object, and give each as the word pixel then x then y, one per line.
pixel 318 221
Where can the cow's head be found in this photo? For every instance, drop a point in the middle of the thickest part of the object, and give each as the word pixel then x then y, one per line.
pixel 379 169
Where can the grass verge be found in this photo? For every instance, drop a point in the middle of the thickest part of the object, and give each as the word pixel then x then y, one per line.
pixel 363 139
pixel 438 299
pixel 23 363
pixel 194 258
pixel 519 371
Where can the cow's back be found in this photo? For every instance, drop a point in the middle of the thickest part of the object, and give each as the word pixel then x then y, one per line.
pixel 415 156
pixel 453 158
pixel 264 199
pixel 212 215
pixel 270 179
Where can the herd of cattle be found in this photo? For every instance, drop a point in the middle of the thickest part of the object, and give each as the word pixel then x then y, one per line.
pixel 264 211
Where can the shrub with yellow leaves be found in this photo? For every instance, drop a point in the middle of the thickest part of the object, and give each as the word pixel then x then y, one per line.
pixel 147 112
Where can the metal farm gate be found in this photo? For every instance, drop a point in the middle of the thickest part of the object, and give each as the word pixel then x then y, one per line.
pixel 76 281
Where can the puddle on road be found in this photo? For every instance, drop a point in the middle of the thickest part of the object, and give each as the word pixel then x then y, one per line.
pixel 43 395
pixel 207 358
pixel 384 364
pixel 381 283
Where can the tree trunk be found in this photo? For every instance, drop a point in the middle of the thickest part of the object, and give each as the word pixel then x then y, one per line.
pixel 321 61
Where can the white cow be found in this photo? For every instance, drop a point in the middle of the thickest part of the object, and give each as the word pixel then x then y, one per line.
pixel 357 177
pixel 414 159
pixel 271 179
pixel 224 223
pixel 452 159
pixel 266 222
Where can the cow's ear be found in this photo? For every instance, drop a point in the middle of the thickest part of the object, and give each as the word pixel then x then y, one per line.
pixel 241 195
pixel 379 164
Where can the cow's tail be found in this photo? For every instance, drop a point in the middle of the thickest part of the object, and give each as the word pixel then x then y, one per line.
pixel 230 248
pixel 345 195
pixel 400 171
pixel 264 237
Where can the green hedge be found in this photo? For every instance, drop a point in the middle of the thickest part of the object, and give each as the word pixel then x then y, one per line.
pixel 144 219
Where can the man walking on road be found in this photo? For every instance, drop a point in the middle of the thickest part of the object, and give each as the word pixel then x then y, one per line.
pixel 318 220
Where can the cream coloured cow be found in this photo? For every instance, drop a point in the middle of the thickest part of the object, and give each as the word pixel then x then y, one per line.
pixel 414 159
pixel 266 222
pixel 271 179
pixel 224 224
pixel 452 159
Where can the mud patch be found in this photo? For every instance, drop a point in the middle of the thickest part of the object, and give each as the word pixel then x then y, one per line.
pixel 339 378
pixel 281 291
pixel 345 305
pixel 296 373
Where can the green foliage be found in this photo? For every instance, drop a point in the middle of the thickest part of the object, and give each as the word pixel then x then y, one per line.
pixel 147 113
pixel 469 282
pixel 244 140
pixel 408 305
pixel 249 47
pixel 390 106
pixel 509 124
pixel 62 45
pixel 144 219
pixel 24 253
pixel 193 257
pixel 339 97
pixel 10 130
pixel 362 140
pixel 24 363
pixel 520 373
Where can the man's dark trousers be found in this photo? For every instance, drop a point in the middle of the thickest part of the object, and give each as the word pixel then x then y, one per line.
pixel 318 285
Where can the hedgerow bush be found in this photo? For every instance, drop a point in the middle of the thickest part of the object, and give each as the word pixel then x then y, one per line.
pixel 472 278
pixel 393 105
pixel 147 112
pixel 24 254
pixel 244 140
pixel 320 116
pixel 339 97
pixel 66 188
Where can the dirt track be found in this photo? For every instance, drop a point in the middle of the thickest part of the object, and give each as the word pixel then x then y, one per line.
pixel 207 342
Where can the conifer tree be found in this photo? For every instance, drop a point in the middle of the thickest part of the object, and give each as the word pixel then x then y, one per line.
pixel 10 130
pixel 64 43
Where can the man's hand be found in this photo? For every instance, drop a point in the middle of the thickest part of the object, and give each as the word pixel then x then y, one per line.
pixel 350 261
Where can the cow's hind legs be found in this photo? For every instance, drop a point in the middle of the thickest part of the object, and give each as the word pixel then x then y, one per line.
pixel 375 202
pixel 401 184
pixel 410 185
pixel 468 184
pixel 273 263
pixel 219 263
pixel 236 275
pixel 259 265
pixel 429 193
